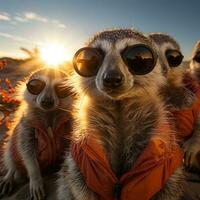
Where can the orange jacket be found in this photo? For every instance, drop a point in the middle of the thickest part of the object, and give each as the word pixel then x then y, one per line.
pixel 49 145
pixel 185 119
pixel 147 176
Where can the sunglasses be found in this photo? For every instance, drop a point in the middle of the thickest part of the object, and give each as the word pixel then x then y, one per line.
pixel 197 57
pixel 36 86
pixel 140 60
pixel 174 57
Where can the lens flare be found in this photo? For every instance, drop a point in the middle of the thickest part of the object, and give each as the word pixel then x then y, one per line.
pixel 55 54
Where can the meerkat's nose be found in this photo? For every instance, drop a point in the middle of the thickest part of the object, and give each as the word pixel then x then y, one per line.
pixel 47 103
pixel 113 79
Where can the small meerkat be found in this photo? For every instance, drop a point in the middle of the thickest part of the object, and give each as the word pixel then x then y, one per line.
pixel 40 131
pixel 195 62
pixel 122 144
pixel 175 92
pixel 187 102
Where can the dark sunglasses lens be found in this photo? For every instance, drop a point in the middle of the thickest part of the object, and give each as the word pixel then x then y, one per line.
pixel 63 91
pixel 139 59
pixel 197 57
pixel 87 62
pixel 174 58
pixel 35 86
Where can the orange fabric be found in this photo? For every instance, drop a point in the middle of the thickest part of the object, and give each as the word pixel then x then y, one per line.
pixel 185 119
pixel 147 176
pixel 49 149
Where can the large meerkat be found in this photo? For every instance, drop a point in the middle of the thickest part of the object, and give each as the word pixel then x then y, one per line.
pixel 195 62
pixel 40 131
pixel 188 108
pixel 122 146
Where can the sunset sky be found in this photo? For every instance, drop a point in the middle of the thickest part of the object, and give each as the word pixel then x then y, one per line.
pixel 25 23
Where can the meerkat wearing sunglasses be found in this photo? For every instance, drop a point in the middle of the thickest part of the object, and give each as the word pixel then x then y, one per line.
pixel 175 91
pixel 179 94
pixel 123 146
pixel 40 131
pixel 195 62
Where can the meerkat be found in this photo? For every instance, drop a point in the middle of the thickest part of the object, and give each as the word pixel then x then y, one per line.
pixel 186 103
pixel 119 120
pixel 175 91
pixel 40 131
pixel 195 62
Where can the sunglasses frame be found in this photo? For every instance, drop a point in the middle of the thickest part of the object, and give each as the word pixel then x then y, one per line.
pixel 198 52
pixel 154 54
pixel 182 56
pixel 34 80
pixel 87 48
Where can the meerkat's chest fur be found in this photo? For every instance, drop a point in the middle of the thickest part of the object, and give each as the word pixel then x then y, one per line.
pixel 125 128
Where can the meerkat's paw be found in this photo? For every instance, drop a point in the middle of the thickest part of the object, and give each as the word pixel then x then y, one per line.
pixel 37 190
pixel 6 185
pixel 191 149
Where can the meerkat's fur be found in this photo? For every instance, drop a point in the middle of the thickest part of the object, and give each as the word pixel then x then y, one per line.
pixel 194 65
pixel 125 119
pixel 30 110
pixel 174 92
pixel 164 42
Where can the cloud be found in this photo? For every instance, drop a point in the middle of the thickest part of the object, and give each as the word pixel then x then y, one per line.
pixel 19 19
pixel 4 16
pixel 29 16
pixel 61 25
pixel 14 37
pixel 58 23
pixel 20 39
pixel 33 16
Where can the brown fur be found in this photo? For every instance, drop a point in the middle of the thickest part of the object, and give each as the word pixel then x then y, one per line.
pixel 30 110
pixel 176 95
pixel 174 92
pixel 195 66
pixel 125 120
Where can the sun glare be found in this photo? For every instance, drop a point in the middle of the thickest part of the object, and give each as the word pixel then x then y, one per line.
pixel 55 54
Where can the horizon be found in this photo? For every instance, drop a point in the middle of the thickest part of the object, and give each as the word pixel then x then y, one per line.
pixel 71 23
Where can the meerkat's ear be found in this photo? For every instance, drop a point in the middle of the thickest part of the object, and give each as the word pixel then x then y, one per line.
pixel 196 47
pixel 197 44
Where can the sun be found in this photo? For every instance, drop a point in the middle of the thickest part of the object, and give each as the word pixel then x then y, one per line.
pixel 55 54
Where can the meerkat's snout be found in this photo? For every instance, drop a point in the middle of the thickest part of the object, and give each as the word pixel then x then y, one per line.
pixel 113 79
pixel 47 102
